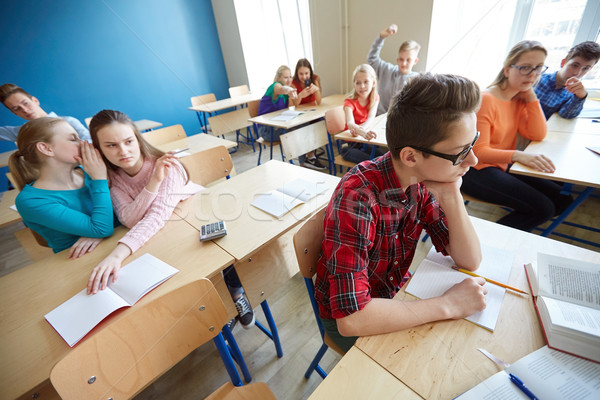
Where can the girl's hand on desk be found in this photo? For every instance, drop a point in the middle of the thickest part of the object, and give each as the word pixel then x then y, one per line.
pixel 465 298
pixel 91 161
pixel 539 162
pixel 107 267
pixel 82 246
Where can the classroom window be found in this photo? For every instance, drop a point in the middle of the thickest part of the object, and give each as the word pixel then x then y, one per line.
pixel 273 33
pixel 471 37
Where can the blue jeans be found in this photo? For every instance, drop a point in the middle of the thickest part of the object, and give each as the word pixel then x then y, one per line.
pixel 264 132
pixel 354 152
pixel 533 200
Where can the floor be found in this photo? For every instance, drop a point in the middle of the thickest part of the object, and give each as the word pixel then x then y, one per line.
pixel 202 371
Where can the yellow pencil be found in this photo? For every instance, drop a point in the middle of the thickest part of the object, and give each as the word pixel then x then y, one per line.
pixel 464 271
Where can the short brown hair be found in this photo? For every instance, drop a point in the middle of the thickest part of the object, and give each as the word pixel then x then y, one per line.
pixel 421 113
pixel 589 51
pixel 8 89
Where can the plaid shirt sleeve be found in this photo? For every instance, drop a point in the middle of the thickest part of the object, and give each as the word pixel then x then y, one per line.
pixel 349 232
pixel 557 100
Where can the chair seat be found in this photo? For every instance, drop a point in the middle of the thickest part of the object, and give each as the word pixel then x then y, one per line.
pixel 332 345
pixel 258 391
pixel 339 160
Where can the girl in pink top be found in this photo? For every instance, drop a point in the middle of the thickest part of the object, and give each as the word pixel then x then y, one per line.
pixel 145 186
pixel 510 107
pixel 360 108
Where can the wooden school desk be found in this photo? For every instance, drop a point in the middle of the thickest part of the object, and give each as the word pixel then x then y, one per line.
pixel 197 143
pixel 144 125
pixel 574 164
pixel 260 243
pixel 8 215
pixel 557 123
pixel 357 376
pixel 440 360
pixel 378 128
pixel 204 110
pixel 29 345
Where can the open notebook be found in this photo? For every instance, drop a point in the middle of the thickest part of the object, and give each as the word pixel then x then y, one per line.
pixel 281 200
pixel 74 318
pixel 435 275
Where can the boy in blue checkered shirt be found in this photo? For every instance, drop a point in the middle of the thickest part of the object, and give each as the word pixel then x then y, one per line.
pixel 563 91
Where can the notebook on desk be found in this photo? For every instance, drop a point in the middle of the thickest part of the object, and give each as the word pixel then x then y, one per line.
pixel 435 275
pixel 280 201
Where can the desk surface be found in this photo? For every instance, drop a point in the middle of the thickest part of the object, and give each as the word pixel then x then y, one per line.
pixel 146 124
pixel 197 143
pixel 576 125
pixel 249 228
pixel 378 128
pixel 357 376
pixel 28 344
pixel 574 163
pixel 313 113
pixel 440 360
pixel 8 215
pixel 226 103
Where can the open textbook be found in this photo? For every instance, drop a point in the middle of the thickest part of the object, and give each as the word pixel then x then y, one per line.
pixel 281 200
pixel 547 373
pixel 74 318
pixel 435 275
pixel 288 114
pixel 566 295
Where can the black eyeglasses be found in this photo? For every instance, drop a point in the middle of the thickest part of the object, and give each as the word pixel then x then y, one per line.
pixel 526 69
pixel 456 159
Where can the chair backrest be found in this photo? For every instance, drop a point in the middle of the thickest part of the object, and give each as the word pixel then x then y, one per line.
pixel 304 140
pixel 253 108
pixel 209 165
pixel 238 91
pixel 229 122
pixel 87 121
pixel 307 244
pixel 131 352
pixel 205 98
pixel 164 135
pixel 335 120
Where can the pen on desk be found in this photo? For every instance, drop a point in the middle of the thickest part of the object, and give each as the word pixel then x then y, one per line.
pixel 181 151
pixel 519 383
pixel 464 271
pixel 596 120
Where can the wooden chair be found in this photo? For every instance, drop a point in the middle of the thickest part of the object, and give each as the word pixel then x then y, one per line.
pixel 209 165
pixel 199 100
pixel 253 112
pixel 34 244
pixel 128 354
pixel 164 135
pixel 304 140
pixel 307 244
pixel 238 91
pixel 335 120
pixel 233 121
pixel 253 391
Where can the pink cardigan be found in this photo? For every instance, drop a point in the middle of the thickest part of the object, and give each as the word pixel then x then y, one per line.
pixel 143 211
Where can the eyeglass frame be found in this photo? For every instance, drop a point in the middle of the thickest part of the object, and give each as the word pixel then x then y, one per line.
pixel 455 159
pixel 520 68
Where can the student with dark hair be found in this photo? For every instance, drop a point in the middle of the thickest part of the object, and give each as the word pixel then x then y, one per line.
pixel 563 91
pixel 24 105
pixel 377 212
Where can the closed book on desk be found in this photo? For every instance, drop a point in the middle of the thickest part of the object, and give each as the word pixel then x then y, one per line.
pixel 74 318
pixel 280 201
pixel 566 296
pixel 547 373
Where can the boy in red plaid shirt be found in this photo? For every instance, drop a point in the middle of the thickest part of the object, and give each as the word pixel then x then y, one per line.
pixel 375 217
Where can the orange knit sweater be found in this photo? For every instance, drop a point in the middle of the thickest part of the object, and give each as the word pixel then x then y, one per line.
pixel 498 122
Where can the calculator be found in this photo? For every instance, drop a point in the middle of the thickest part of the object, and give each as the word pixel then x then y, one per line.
pixel 212 231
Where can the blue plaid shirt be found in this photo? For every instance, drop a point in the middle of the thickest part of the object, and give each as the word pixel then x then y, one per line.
pixel 552 99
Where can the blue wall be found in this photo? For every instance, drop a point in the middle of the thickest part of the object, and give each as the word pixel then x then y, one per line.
pixel 143 57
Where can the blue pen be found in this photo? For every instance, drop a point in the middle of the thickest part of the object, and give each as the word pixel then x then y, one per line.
pixel 522 386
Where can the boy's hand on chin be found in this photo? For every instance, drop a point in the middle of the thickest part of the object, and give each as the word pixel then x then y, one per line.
pixel 444 190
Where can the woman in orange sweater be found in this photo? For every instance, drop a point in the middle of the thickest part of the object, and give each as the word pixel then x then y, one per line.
pixel 510 106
